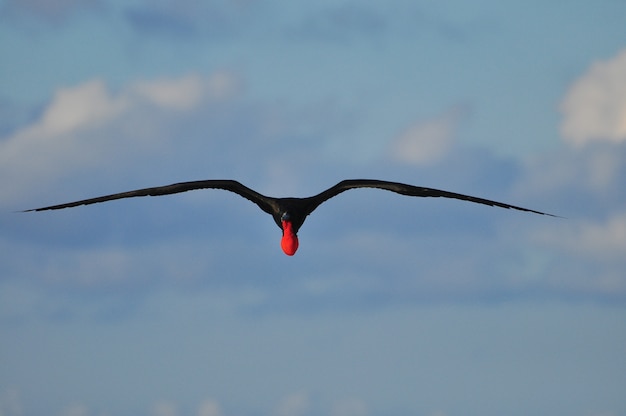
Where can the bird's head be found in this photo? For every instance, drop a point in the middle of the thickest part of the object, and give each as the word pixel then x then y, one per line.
pixel 289 242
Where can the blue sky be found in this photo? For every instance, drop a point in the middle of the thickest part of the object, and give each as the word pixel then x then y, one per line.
pixel 185 305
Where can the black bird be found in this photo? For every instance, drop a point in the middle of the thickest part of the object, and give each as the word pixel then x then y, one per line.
pixel 288 213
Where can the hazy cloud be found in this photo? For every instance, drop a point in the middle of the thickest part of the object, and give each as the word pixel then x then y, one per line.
pixel 188 18
pixel 341 23
pixel 76 409
pixel 161 21
pixel 426 142
pixel 297 404
pixel 188 91
pixel 209 407
pixel 577 181
pixel 582 258
pixel 598 240
pixel 349 407
pixel 52 11
pixel 11 403
pixel 164 408
pixel 595 105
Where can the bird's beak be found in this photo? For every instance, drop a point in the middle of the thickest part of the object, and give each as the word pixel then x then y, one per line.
pixel 289 242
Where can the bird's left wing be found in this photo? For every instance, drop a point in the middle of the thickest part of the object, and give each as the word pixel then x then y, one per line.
pixel 404 189
pixel 267 204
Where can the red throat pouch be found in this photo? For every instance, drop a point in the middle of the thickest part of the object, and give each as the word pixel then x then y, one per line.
pixel 289 242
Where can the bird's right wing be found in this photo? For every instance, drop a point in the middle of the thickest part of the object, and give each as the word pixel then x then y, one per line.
pixel 267 204
pixel 404 189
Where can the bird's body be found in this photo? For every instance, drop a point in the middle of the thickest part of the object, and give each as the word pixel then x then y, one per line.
pixel 288 213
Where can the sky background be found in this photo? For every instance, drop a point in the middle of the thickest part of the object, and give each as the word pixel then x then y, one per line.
pixel 186 306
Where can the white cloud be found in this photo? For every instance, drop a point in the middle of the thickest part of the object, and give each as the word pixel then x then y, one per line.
pixel 59 141
pixel 73 108
pixel 594 108
pixel 85 106
pixel 88 125
pixel 426 142
pixel 88 105
pixel 187 92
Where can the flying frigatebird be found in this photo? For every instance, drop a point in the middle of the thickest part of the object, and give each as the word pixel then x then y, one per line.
pixel 288 213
